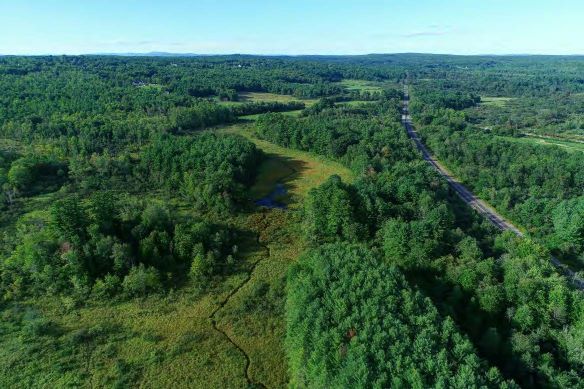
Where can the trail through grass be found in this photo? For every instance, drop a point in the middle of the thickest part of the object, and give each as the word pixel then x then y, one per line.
pixel 169 340
pixel 254 316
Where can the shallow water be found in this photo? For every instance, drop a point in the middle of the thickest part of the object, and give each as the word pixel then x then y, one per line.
pixel 270 200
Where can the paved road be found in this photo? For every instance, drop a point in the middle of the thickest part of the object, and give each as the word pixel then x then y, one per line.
pixel 466 195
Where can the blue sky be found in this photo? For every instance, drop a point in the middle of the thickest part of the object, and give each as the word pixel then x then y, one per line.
pixel 292 26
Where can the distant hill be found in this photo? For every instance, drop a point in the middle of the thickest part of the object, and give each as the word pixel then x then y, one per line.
pixel 154 54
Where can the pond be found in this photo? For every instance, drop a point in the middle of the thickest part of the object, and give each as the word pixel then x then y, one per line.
pixel 271 200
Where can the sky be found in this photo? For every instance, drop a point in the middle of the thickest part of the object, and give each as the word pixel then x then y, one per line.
pixel 292 26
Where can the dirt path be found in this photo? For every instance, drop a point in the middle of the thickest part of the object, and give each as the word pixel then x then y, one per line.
pixel 223 303
pixel 248 278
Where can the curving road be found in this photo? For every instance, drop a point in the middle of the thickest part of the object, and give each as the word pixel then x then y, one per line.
pixel 466 195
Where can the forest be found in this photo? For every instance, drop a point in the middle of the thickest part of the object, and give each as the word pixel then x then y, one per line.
pixel 492 148
pixel 243 221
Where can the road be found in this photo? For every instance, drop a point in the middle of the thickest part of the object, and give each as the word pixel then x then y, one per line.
pixel 466 195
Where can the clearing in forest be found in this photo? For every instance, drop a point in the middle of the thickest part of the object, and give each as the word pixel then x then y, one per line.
pixel 254 316
pixel 495 101
pixel 362 85
pixel 549 141
pixel 300 170
pixel 255 97
pixel 165 340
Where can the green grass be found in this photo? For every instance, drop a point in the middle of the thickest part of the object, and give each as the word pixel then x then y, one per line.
pixel 151 342
pixel 495 101
pixel 249 97
pixel 310 170
pixel 549 141
pixel 254 316
pixel 261 96
pixel 362 85
pixel 253 117
pixel 260 328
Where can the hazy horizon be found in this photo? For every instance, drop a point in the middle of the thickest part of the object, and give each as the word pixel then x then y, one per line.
pixel 58 27
pixel 187 54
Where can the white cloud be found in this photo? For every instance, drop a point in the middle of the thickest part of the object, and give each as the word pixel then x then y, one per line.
pixel 432 30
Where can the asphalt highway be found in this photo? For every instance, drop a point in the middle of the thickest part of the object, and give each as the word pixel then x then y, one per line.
pixel 466 195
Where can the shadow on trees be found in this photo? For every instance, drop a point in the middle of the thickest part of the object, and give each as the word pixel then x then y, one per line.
pixel 462 306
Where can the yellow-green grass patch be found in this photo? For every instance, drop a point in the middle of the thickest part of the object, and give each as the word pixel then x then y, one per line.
pixel 362 85
pixel 355 103
pixel 249 97
pixel 254 316
pixel 156 342
pixel 310 170
pixel 294 113
pixel 495 101
pixel 548 141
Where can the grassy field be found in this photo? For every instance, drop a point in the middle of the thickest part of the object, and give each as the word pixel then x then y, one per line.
pixel 151 342
pixel 362 85
pixel 253 117
pixel 549 141
pixel 248 97
pixel 169 340
pixel 299 171
pixel 260 328
pixel 495 101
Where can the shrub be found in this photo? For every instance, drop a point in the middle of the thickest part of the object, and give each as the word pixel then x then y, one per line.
pixel 141 280
pixel 106 287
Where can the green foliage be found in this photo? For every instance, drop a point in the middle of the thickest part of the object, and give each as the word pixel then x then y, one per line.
pixel 140 281
pixel 354 322
pixel 257 107
pixel 411 244
pixel 31 174
pixel 203 114
pixel 209 170
pixel 93 244
pixel 84 137
pixel 331 213
pixel 351 135
pixel 20 175
pixel 107 287
pixel 68 221
pixel 528 182
pixel 568 220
